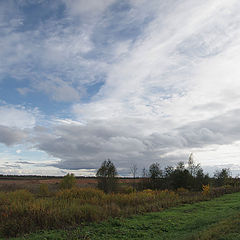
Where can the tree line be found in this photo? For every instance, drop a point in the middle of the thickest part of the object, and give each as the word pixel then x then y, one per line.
pixel 190 177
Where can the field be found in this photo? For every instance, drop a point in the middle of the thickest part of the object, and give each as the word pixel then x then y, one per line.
pixel 215 219
pixel 36 205
pixel 32 183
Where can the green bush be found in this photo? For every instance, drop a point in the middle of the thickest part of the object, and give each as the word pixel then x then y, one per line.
pixel 68 181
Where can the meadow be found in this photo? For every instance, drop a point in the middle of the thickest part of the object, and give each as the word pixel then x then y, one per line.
pixel 22 211
pixel 216 219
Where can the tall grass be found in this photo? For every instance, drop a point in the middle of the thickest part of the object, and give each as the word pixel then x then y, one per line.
pixel 23 212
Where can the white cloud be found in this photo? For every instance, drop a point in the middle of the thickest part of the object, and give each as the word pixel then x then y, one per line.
pixel 182 69
pixel 170 70
pixel 169 86
pixel 51 54
pixel 17 116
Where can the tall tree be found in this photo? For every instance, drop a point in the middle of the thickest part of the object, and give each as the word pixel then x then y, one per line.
pixel 155 174
pixel 107 177
pixel 133 169
pixel 181 178
pixel 221 177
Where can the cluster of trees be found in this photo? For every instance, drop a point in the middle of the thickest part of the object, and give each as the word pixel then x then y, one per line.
pixel 189 177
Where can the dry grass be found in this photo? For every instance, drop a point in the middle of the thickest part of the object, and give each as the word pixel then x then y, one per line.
pixel 22 211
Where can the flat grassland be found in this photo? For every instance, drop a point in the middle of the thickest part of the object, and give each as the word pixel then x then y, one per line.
pixel 218 218
pixel 32 183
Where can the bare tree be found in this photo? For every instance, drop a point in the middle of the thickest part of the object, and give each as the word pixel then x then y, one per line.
pixel 144 173
pixel 192 167
pixel 133 169
pixel 190 164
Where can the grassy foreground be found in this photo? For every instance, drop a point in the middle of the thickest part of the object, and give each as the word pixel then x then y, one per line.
pixel 215 219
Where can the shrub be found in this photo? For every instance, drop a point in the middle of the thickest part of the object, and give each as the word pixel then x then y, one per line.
pixel 84 194
pixel 19 196
pixel 68 181
pixel 126 189
pixel 206 189
pixel 182 190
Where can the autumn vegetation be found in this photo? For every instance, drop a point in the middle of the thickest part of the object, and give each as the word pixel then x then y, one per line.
pixel 23 212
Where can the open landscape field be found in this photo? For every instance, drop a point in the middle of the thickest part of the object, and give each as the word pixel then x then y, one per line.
pixel 75 208
pixel 119 119
pixel 32 183
pixel 209 220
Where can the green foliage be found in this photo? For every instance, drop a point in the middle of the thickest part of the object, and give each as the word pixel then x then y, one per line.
pixel 227 229
pixel 168 171
pixel 191 178
pixel 155 171
pixel 107 177
pixel 181 178
pixel 68 181
pixel 155 175
pixel 222 177
pixel 174 178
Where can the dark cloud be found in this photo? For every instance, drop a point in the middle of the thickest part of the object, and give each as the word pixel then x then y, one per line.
pixel 223 129
pixel 24 162
pixel 10 136
pixel 86 146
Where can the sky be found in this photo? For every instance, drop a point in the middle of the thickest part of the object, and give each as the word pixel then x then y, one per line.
pixel 133 81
